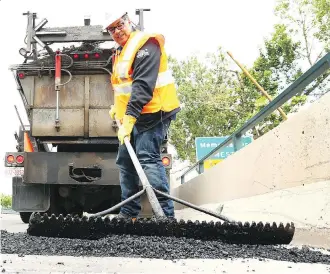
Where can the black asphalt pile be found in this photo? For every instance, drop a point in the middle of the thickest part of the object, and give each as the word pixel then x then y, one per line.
pixel 169 248
pixel 96 228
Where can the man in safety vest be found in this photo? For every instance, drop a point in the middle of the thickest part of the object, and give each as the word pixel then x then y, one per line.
pixel 146 102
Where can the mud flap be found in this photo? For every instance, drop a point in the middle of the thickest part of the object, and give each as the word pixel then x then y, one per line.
pixel 30 197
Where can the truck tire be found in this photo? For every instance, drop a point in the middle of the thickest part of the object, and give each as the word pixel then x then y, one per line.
pixel 25 216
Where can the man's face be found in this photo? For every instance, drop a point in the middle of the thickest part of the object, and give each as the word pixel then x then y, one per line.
pixel 120 31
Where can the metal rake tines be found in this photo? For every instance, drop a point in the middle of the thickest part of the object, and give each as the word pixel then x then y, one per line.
pixel 97 227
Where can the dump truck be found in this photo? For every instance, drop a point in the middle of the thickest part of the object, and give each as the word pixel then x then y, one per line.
pixel 68 151
pixel 69 166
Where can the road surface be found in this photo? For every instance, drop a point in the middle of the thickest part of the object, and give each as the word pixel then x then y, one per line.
pixel 22 263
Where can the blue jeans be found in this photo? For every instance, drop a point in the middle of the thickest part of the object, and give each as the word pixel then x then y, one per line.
pixel 147 148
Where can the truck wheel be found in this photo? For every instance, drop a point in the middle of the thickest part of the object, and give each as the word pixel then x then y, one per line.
pixel 25 216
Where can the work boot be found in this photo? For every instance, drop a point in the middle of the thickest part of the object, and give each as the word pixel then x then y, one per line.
pixel 125 217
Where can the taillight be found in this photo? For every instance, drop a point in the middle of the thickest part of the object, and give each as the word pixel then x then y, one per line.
pixel 20 159
pixel 86 56
pixel 166 161
pixel 10 159
pixel 15 159
pixel 21 75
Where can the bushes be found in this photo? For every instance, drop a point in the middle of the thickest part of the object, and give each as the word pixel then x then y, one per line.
pixel 6 200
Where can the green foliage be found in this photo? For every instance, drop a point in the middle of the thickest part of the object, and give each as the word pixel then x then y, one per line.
pixel 6 200
pixel 308 22
pixel 276 67
pixel 308 19
pixel 206 92
pixel 321 10
pixel 216 100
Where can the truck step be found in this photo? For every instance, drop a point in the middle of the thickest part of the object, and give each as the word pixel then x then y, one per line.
pixel 94 228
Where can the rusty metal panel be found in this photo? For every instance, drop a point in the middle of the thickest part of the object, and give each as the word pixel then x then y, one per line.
pixel 53 167
pixel 86 107
pixel 101 93
pixel 28 88
pixel 100 123
pixel 74 34
pixel 71 94
pixel 71 122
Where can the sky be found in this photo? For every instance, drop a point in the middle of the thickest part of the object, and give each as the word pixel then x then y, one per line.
pixel 238 26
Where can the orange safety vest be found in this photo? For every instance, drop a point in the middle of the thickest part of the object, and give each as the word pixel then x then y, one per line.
pixel 164 95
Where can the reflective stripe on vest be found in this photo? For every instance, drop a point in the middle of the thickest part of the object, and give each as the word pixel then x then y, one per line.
pixel 164 78
pixel 122 89
pixel 122 66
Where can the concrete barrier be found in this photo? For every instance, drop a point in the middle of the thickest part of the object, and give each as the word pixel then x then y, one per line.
pixel 307 206
pixel 295 153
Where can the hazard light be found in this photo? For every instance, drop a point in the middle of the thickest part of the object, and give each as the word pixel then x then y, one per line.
pixel 10 159
pixel 21 75
pixel 14 159
pixel 80 56
pixel 166 161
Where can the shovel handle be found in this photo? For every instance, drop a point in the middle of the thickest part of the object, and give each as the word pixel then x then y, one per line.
pixel 144 180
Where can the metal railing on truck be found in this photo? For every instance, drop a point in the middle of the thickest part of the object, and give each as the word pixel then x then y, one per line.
pixel 297 86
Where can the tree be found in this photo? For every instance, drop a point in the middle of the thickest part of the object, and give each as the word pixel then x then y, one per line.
pixel 321 10
pixel 217 100
pixel 276 68
pixel 208 105
pixel 309 23
pixel 6 201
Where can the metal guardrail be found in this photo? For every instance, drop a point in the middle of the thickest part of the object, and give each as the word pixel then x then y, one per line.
pixel 304 80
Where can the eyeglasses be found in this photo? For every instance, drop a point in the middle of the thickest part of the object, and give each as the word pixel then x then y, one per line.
pixel 120 26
